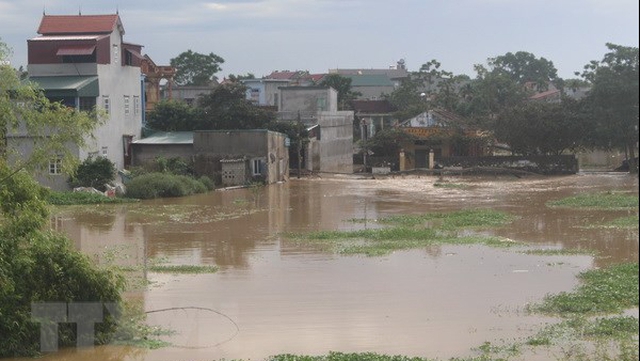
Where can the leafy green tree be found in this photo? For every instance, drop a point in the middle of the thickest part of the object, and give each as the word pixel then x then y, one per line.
pixel 406 98
pixel 387 142
pixel 236 78
pixel 613 100
pixel 226 107
pixel 343 86
pixel 195 69
pixel 541 128
pixel 524 67
pixel 94 172
pixel 24 110
pixel 174 115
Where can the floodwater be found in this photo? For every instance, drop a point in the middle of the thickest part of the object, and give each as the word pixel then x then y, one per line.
pixel 273 295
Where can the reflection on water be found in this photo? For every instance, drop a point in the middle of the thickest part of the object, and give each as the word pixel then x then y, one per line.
pixel 284 296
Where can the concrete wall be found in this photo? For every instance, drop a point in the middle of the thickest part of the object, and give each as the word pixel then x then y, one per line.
pixel 145 153
pixel 257 145
pixel 308 99
pixel 336 141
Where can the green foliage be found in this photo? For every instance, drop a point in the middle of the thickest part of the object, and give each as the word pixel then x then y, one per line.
pixel 38 266
pixel 94 172
pixel 412 231
pixel 156 185
pixel 541 128
pixel 609 290
pixel 613 99
pixel 603 201
pixel 25 110
pixel 343 86
pixel 194 68
pixel 524 67
pixel 173 116
pixel 183 269
pixel 387 142
pixel 71 198
pixel 226 107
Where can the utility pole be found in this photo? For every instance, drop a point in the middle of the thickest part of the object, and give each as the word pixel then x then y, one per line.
pixel 299 144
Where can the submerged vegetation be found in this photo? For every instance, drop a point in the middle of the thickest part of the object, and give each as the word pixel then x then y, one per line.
pixel 74 198
pixel 602 201
pixel 412 231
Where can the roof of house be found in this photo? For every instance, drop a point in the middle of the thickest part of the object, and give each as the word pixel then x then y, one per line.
pixel 79 24
pixel 283 75
pixel 545 94
pixel 167 138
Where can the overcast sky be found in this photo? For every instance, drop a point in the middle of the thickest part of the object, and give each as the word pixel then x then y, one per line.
pixel 259 36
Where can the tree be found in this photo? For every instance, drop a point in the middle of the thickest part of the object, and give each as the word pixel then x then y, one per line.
pixel 195 68
pixel 524 67
pixel 94 172
pixel 387 142
pixel 24 110
pixel 343 86
pixel 613 100
pixel 540 128
pixel 37 265
pixel 174 115
pixel 406 98
pixel 226 107
pixel 237 78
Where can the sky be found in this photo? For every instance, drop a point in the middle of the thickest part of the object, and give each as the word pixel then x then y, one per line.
pixel 261 36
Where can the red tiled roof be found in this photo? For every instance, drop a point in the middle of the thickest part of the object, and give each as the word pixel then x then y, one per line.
pixel 546 94
pixel 78 24
pixel 282 75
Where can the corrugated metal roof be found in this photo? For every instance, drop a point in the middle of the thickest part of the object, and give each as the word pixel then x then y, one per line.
pixel 167 138
pixel 68 85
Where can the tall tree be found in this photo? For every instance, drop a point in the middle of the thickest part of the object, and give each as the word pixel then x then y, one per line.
pixel 343 86
pixel 524 67
pixel 196 69
pixel 614 100
pixel 227 107
pixel 541 128
pixel 174 115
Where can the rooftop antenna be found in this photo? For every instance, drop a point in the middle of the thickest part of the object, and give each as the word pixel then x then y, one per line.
pixel 44 12
pixel 79 9
pixel 117 10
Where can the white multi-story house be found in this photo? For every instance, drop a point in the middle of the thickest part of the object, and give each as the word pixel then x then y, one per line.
pixel 82 61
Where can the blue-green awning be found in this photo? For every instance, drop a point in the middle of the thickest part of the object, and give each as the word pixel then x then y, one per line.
pixel 68 86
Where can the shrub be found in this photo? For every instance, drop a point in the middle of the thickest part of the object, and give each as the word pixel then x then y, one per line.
pixel 94 172
pixel 207 182
pixel 155 185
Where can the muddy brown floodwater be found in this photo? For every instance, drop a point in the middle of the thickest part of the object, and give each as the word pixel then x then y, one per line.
pixel 272 295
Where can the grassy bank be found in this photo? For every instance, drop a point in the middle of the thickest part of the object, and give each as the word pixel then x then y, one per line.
pixel 73 198
pixel 595 201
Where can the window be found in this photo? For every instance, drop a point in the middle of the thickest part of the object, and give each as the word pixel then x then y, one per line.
pixel 106 104
pixel 105 151
pixel 321 104
pixel 115 53
pixel 136 105
pixel 127 110
pixel 55 165
pixel 256 167
pixel 87 103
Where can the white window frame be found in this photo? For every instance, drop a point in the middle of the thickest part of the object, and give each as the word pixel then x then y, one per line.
pixel 106 104
pixel 105 151
pixel 256 166
pixel 55 165
pixel 127 105
pixel 136 105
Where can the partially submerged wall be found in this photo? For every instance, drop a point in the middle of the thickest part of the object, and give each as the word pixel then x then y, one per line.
pixel 541 164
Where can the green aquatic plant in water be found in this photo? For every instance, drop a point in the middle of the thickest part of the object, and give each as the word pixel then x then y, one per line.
pixel 410 231
pixel 608 290
pixel 604 201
